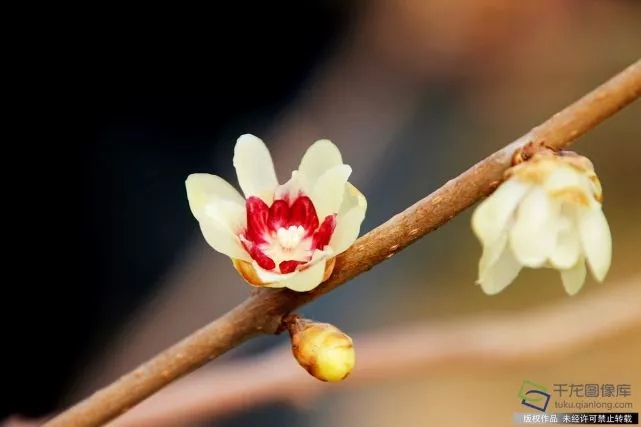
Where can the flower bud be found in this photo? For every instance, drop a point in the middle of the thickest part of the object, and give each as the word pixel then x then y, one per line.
pixel 322 349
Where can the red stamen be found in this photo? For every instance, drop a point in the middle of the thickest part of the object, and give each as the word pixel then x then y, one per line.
pixel 278 215
pixel 302 212
pixel 263 222
pixel 261 259
pixel 289 266
pixel 324 233
pixel 257 220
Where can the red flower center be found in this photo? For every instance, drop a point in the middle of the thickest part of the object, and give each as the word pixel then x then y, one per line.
pixel 284 234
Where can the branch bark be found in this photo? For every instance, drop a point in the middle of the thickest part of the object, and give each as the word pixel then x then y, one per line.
pixel 263 310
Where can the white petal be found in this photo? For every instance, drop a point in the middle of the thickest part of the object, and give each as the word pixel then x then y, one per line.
pixel 596 241
pixel 349 220
pixel 292 187
pixel 568 245
pixel 203 188
pixel 329 190
pixel 533 235
pixel 306 280
pixel 501 274
pixel 320 157
pixel 254 168
pixel 574 277
pixel 270 278
pixel 564 177
pixel 493 214
pixel 352 198
pixel 348 227
pixel 492 253
pixel 221 224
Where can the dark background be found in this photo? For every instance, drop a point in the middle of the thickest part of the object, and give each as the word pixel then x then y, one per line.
pixel 116 106
pixel 122 106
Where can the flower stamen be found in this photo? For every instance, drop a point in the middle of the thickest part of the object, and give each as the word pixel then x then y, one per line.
pixel 290 237
pixel 286 234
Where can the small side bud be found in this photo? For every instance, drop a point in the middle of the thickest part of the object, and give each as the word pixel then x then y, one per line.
pixel 322 349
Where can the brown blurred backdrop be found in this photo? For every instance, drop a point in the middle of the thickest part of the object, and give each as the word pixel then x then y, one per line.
pixel 413 93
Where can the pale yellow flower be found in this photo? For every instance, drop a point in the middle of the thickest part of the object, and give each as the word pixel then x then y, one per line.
pixel 280 235
pixel 547 213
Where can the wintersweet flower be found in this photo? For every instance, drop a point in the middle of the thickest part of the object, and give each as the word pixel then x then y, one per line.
pixel 280 235
pixel 547 213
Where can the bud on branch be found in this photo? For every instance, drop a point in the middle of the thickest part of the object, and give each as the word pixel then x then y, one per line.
pixel 322 349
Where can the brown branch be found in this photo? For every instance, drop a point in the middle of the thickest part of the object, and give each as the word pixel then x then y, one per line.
pixel 262 311
pixel 495 341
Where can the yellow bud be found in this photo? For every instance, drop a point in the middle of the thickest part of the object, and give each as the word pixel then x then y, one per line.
pixel 322 349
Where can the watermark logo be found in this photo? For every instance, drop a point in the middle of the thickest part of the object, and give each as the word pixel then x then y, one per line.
pixel 534 396
pixel 570 397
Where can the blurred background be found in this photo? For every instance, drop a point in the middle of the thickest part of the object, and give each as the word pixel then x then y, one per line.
pixel 412 91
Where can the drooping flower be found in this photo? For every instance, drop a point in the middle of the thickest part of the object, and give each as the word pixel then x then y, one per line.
pixel 547 213
pixel 280 235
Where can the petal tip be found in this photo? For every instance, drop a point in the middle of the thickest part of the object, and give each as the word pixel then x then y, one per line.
pixel 247 143
pixel 572 291
pixel 488 290
pixel 195 179
pixel 248 138
pixel 601 274
pixel 321 156
pixel 574 278
pixel 254 167
pixel 324 141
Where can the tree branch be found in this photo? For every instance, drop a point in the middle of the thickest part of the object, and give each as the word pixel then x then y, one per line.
pixel 495 341
pixel 263 310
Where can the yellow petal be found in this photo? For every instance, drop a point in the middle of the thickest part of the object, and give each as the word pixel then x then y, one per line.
pixel 248 270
